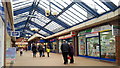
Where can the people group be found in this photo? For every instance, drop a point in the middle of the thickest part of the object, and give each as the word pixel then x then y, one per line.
pixel 41 49
pixel 66 48
pixel 67 51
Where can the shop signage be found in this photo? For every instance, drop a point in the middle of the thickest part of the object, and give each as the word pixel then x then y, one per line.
pixel 52 40
pixel 91 35
pixel 11 53
pixel 115 30
pixel 73 33
pixel 15 33
pixel 95 30
pixel 102 28
pixel 23 43
pixel 65 37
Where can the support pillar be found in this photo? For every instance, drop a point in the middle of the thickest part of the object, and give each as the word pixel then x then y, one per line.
pixel 57 46
pixel 75 43
pixel 117 39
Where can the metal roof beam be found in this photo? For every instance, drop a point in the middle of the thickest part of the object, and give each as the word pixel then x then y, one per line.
pixel 20 11
pixel 22 4
pixel 52 18
pixel 109 4
pixel 88 8
pixel 36 32
pixel 38 26
pixel 29 30
pixel 56 6
pixel 1 8
pixel 34 5
pixel 20 23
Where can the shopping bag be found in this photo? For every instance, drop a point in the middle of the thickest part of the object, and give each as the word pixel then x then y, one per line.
pixel 68 57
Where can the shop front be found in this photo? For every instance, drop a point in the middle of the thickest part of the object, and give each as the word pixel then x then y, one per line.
pixel 53 44
pixel 67 38
pixel 97 43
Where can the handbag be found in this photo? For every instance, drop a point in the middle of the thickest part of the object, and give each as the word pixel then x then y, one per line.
pixel 68 57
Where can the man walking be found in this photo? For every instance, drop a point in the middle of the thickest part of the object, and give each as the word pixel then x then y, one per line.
pixel 65 51
pixel 40 49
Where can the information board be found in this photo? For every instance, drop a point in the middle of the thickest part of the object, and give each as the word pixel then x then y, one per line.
pixel 11 53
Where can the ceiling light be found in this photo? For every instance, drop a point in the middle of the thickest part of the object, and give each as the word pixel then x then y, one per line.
pixel 105 33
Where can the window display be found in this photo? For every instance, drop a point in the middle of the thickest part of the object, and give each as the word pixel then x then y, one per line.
pixel 107 45
pixel 93 47
pixel 82 45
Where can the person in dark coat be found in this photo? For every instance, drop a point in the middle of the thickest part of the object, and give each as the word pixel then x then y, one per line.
pixel 34 50
pixel 40 49
pixel 65 51
pixel 71 52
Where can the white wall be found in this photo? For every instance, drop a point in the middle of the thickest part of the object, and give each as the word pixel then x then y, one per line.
pixel 1 43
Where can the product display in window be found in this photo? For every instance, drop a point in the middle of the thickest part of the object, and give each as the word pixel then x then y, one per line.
pixel 82 46
pixel 93 46
pixel 107 45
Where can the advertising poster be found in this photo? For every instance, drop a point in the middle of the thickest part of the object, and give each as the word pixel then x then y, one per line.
pixel 11 53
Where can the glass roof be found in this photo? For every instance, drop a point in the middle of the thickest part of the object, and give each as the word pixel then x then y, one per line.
pixel 69 13
pixel 54 27
pixel 44 33
pixel 1 10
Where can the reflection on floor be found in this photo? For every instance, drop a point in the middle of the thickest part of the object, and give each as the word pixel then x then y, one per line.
pixel 55 60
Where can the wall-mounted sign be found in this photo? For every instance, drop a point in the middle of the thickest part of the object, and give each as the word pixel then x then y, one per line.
pixel 73 33
pixel 65 37
pixel 11 53
pixel 15 33
pixel 115 30
pixel 21 43
pixel 95 30
pixel 91 35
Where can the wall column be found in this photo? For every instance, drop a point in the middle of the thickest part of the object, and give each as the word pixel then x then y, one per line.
pixel 75 43
pixel 116 23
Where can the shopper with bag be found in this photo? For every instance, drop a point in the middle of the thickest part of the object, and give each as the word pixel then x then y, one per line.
pixel 71 52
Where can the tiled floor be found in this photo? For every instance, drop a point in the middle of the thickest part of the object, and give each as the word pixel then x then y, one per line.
pixel 55 60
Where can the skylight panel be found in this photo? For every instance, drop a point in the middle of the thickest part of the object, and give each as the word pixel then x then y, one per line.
pixel 67 22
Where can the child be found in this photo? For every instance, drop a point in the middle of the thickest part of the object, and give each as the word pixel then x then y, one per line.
pixel 48 50
pixel 21 51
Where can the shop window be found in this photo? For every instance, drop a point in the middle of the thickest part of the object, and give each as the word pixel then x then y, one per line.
pixel 82 46
pixel 107 45
pixel 93 47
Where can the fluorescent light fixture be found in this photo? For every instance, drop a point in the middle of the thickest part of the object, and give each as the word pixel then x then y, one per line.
pixel 105 33
pixel 29 35
pixel 26 35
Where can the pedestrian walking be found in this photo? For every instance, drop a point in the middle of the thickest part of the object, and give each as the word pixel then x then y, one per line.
pixel 48 51
pixel 34 50
pixel 40 49
pixel 21 51
pixel 71 52
pixel 65 51
pixel 43 50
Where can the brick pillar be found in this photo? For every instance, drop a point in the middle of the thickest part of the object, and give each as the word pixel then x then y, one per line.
pixel 75 43
pixel 57 46
pixel 117 39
